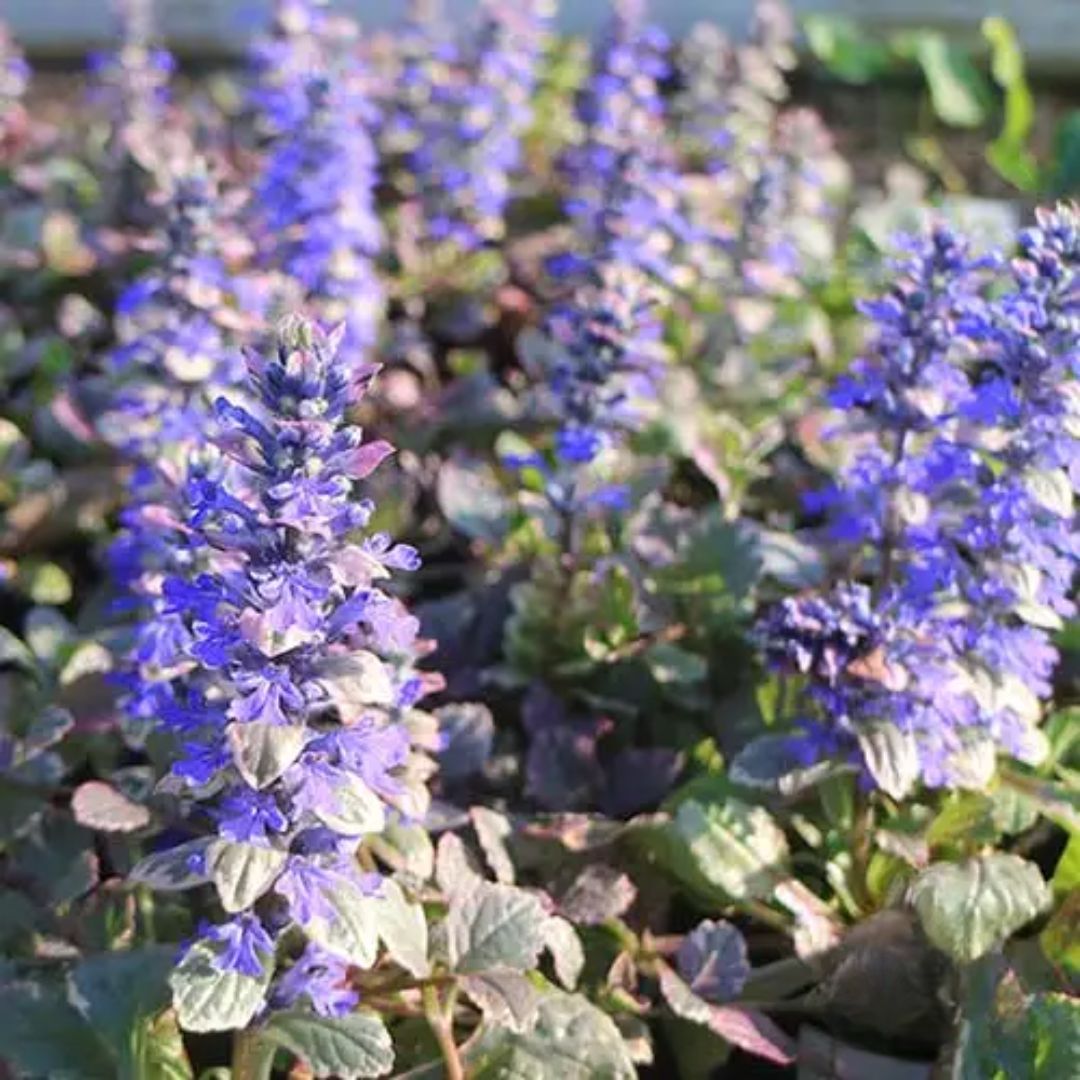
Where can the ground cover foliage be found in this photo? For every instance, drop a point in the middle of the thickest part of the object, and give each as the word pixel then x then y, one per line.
pixel 511 567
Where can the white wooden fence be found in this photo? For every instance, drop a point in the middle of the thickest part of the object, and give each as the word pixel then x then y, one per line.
pixel 1049 29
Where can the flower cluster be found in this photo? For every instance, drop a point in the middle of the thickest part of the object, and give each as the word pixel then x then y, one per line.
pixel 314 202
pixel 174 352
pixel 14 78
pixel 625 198
pixel 132 84
pixel 286 676
pixel 472 104
pixel 172 340
pixel 600 357
pixel 960 504
pixel 282 60
pixel 764 165
pixel 728 94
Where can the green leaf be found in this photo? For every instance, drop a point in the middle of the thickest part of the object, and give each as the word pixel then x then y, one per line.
pixel 1067 872
pixel 44 583
pixel 471 499
pixel 454 870
pixel 891 757
pixel 971 907
pixel 1055 1022
pixel 1066 170
pixel 208 999
pixel 114 990
pixel 668 663
pixel 768 763
pixel 355 681
pixel 121 995
pixel 966 818
pixel 839 44
pixel 958 91
pixel 1059 802
pixel 44 1036
pixel 571 1040
pixel 14 653
pixel 492 829
pixel 19 809
pixel 1060 938
pixel 45 730
pixel 349 1047
pixel 180 867
pixel 263 751
pixel 494 926
pixel 562 942
pixel 353 932
pixel 60 855
pixel 47 632
pixel 732 845
pixel 157 1050
pixel 243 872
pixel 406 848
pixel 1012 813
pixel 504 997
pixel 1009 152
pixel 1008 1034
pixel 356 809
pixel 403 928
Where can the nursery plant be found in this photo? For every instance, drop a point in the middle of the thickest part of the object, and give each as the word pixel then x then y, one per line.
pixel 501 575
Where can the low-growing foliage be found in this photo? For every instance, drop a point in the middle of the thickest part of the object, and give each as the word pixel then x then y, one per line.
pixel 504 574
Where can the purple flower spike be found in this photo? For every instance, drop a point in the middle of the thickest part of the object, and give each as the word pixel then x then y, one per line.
pixel 292 700
pixel 959 503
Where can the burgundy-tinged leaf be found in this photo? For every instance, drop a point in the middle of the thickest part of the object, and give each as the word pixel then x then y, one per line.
pixel 640 778
pixel 753 1032
pixel 598 893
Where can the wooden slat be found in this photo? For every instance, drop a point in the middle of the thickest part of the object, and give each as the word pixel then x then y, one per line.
pixel 1049 29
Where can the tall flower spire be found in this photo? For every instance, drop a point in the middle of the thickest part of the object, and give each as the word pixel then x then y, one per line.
pixel 959 505
pixel 315 199
pixel 290 677
pixel 463 106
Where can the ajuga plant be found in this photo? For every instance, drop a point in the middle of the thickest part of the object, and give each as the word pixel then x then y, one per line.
pixel 755 609
pixel 452 142
pixel 300 753
pixel 472 103
pixel 624 196
pixel 764 186
pixel 130 88
pixel 600 357
pixel 958 510
pixel 174 353
pixel 286 696
pixel 14 78
pixel 314 200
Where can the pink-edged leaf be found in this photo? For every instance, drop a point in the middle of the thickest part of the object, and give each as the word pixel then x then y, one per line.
pixel 753 1032
pixel 72 419
pixel 747 1029
pixel 365 459
pixel 98 805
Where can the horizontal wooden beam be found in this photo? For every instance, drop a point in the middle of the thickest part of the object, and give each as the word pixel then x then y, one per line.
pixel 1048 29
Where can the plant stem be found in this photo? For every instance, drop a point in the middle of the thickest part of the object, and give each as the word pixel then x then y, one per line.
pixel 442 1026
pixel 761 911
pixel 861 833
pixel 252 1058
